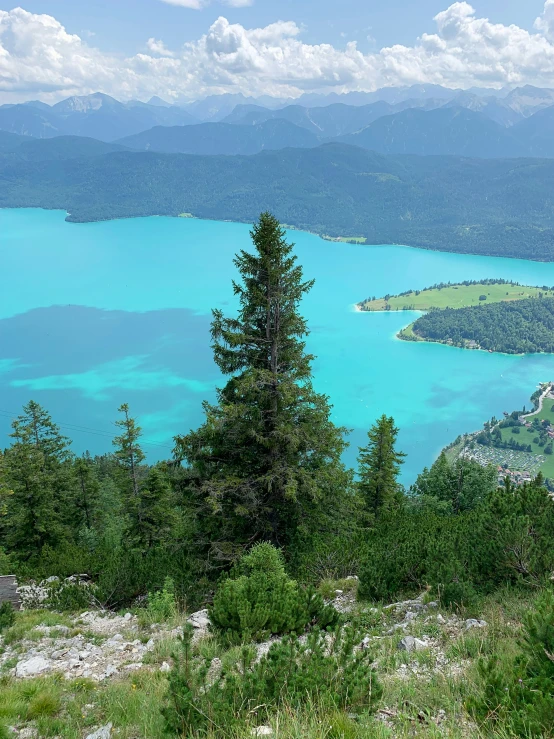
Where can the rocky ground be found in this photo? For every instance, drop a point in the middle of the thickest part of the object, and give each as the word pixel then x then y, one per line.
pixel 413 640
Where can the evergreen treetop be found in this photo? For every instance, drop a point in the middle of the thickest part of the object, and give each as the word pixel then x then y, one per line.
pixel 379 467
pixel 267 452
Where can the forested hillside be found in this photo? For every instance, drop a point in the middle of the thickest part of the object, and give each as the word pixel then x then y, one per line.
pixel 496 207
pixel 517 327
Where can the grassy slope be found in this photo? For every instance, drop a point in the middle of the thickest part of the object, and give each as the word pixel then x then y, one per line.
pixel 424 688
pixel 456 296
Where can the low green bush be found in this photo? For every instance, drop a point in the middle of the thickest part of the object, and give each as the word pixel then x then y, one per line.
pixel 161 605
pixel 326 669
pixel 260 599
pixel 72 596
pixel 520 694
pixel 7 616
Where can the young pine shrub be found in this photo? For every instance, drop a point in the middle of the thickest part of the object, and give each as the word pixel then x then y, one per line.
pixel 326 671
pixel 262 600
pixel 519 695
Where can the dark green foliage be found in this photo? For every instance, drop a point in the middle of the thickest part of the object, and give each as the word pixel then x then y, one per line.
pixel 267 460
pixel 325 669
pixel 260 599
pixel 453 487
pixel 521 693
pixel 7 615
pixel 474 206
pixel 38 471
pixel 379 467
pixel 517 327
pixel 507 538
pixel 182 715
pixel 72 596
pixel 148 497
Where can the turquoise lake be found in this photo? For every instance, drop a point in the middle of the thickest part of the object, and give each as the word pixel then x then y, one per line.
pixel 94 315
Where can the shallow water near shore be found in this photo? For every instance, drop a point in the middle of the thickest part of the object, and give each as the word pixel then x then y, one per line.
pixel 94 315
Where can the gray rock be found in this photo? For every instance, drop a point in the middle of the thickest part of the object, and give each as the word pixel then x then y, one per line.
pixel 165 667
pixel 28 732
pixel 128 616
pixel 262 731
pixel 473 623
pixel 104 732
pixel 411 644
pixel 33 666
pixel 441 619
pixel 199 620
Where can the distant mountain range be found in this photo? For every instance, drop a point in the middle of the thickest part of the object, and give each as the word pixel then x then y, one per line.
pixel 222 138
pixel 440 131
pixel 466 125
pixel 499 207
pixel 98 116
pixel 454 131
pixel 327 116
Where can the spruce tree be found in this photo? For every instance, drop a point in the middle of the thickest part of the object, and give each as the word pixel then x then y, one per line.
pixel 267 460
pixel 88 490
pixel 38 466
pixel 379 466
pixel 158 519
pixel 5 493
pixel 130 456
pixel 147 495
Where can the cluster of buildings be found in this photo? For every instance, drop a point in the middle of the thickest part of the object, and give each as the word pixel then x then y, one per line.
pixel 517 477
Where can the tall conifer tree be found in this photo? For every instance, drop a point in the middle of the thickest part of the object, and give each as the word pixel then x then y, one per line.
pixel 379 467
pixel 39 471
pixel 267 459
pixel 147 495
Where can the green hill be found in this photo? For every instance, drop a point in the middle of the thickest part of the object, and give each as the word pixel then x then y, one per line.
pixel 498 207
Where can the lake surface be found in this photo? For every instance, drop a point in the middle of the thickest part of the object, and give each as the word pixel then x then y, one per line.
pixel 94 315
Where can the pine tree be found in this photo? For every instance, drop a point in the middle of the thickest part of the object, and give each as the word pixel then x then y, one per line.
pixel 88 490
pixel 157 521
pixel 38 468
pixel 379 466
pixel 5 493
pixel 129 454
pixel 267 457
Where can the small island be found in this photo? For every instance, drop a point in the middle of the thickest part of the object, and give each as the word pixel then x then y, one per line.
pixel 492 315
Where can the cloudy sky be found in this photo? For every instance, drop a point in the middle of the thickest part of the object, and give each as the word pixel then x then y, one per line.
pixel 185 49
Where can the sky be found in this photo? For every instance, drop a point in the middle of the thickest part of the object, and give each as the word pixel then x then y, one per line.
pixel 187 49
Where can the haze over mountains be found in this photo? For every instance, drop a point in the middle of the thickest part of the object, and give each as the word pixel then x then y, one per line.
pixel 424 120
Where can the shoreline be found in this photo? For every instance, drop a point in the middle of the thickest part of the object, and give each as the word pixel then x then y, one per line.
pixel 289 227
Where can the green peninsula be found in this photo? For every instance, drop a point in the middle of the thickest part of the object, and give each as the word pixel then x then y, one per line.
pixel 494 315
pixel 460 295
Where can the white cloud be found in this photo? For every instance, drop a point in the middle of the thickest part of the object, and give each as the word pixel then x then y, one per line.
pixel 199 4
pixel 158 47
pixel 545 22
pixel 193 4
pixel 39 57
